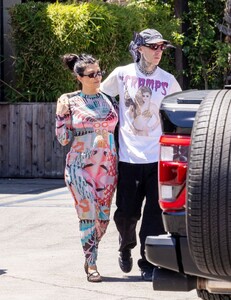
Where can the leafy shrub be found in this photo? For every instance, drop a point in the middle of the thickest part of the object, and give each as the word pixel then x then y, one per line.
pixel 204 45
pixel 43 32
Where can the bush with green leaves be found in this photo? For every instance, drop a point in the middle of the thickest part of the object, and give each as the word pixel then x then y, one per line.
pixel 43 32
pixel 204 46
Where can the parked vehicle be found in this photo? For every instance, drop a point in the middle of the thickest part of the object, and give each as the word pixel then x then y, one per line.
pixel 194 195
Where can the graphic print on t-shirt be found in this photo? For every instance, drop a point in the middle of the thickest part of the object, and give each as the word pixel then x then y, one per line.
pixel 142 112
pixel 125 81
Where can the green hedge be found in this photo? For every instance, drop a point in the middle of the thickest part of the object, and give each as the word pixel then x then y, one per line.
pixel 206 49
pixel 42 32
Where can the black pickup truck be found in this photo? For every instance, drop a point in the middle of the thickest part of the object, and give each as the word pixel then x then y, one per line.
pixel 194 195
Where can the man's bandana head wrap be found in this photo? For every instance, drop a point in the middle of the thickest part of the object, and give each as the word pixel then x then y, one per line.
pixel 147 36
pixel 137 41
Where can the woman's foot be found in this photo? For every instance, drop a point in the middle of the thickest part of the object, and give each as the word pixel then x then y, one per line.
pixel 92 273
pixel 94 276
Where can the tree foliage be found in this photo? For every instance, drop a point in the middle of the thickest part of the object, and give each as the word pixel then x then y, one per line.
pixel 204 46
pixel 42 32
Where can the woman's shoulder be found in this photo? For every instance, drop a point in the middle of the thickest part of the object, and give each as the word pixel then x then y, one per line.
pixel 114 100
pixel 110 98
pixel 64 102
pixel 69 95
pixel 64 98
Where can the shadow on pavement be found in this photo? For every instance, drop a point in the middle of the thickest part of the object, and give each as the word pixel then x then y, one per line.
pixel 4 271
pixel 123 279
pixel 29 186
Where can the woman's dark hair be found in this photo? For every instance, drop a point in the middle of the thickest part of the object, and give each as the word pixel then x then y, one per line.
pixel 78 63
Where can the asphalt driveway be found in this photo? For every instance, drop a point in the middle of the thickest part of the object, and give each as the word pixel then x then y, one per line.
pixel 40 253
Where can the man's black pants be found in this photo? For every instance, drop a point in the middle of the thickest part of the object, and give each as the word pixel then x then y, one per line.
pixel 137 182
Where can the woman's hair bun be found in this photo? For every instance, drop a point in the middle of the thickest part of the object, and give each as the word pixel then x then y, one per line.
pixel 69 60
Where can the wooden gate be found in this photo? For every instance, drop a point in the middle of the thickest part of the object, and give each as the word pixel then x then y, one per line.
pixel 28 146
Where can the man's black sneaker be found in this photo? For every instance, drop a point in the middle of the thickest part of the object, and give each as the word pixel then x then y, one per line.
pixel 125 261
pixel 146 274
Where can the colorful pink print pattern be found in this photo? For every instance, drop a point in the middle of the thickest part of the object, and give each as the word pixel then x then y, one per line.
pixel 91 164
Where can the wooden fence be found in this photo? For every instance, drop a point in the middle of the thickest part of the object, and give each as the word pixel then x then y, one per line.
pixel 28 146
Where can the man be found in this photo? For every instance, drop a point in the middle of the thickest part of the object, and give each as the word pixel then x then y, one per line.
pixel 139 133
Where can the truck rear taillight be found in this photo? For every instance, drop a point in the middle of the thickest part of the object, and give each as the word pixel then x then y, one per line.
pixel 173 164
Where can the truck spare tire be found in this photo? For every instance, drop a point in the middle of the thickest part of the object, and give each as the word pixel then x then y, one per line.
pixel 208 205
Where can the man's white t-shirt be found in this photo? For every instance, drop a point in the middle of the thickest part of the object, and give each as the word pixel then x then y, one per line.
pixel 139 101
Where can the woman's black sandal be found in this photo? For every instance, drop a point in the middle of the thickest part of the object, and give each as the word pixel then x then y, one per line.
pixel 94 277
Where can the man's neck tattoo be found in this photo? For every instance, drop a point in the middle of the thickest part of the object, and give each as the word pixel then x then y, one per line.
pixel 145 67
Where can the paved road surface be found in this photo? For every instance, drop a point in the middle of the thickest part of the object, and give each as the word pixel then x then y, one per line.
pixel 40 253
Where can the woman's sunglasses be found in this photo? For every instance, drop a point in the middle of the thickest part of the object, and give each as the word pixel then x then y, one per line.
pixel 93 75
pixel 156 46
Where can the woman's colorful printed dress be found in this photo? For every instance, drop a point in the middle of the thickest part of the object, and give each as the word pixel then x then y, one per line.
pixel 91 164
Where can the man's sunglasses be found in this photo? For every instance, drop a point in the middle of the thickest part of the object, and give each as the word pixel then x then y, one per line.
pixel 156 46
pixel 94 75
